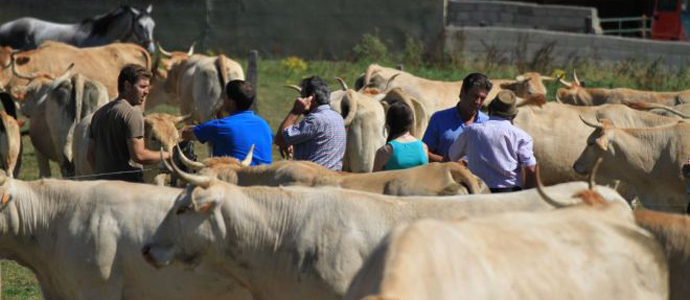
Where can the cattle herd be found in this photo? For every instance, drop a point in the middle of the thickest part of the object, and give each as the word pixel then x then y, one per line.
pixel 295 230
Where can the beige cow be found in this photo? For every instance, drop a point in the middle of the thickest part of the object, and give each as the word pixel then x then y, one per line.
pixel 55 106
pixel 82 240
pixel 436 179
pixel 673 232
pixel 583 252
pixel 302 242
pixel 102 64
pixel 198 82
pixel 649 159
pixel 574 93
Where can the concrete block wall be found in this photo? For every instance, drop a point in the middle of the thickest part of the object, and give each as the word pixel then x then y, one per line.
pixel 567 47
pixel 523 15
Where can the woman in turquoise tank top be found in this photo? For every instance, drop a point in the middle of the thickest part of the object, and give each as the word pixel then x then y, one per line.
pixel 402 150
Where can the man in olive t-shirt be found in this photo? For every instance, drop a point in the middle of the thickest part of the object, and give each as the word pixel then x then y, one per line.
pixel 116 134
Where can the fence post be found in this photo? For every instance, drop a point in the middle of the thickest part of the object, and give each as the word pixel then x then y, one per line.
pixel 252 76
pixel 588 24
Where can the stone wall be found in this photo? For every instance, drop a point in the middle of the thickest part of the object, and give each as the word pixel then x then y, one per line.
pixel 307 28
pixel 523 15
pixel 559 47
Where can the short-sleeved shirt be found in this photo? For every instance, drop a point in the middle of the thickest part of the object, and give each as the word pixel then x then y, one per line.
pixel 406 155
pixel 111 126
pixel 235 134
pixel 320 137
pixel 496 150
pixel 444 127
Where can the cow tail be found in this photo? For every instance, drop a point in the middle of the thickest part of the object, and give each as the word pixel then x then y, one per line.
pixel 222 69
pixel 78 86
pixel 11 128
pixel 351 101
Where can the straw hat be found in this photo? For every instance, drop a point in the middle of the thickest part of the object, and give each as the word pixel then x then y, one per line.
pixel 504 104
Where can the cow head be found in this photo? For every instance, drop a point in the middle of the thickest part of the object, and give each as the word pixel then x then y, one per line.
pixel 598 146
pixel 573 93
pixel 161 130
pixel 170 65
pixel 527 84
pixel 193 225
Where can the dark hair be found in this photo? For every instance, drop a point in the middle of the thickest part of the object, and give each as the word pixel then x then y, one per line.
pixel 316 86
pixel 131 73
pixel 399 119
pixel 476 80
pixel 241 92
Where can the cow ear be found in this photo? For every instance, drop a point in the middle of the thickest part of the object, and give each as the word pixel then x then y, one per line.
pixel 205 208
pixel 420 118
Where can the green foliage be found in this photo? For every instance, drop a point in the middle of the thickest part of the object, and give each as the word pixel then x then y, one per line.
pixel 370 49
pixel 414 51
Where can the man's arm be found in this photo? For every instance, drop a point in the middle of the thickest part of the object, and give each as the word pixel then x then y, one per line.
pixel 91 154
pixel 300 107
pixel 139 154
pixel 188 134
pixel 530 176
pixel 459 147
pixel 431 139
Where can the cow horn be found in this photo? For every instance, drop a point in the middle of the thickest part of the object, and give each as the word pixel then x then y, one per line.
pixel 547 78
pixel 575 77
pixel 67 71
pixel 191 49
pixel 184 118
pixel 343 85
pixel 593 174
pixel 590 124
pixel 198 180
pixel 16 73
pixel 352 112
pixel 525 80
pixel 390 80
pixel 294 87
pixel 563 82
pixel 165 53
pixel 547 198
pixel 194 165
pixel 247 161
pixel 558 99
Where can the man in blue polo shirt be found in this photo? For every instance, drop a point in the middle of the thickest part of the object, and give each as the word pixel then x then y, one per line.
pixel 235 134
pixel 445 125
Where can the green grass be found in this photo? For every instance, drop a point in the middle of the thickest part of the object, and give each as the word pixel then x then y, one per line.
pixel 274 102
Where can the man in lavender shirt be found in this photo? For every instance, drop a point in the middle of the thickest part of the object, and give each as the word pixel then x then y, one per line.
pixel 320 136
pixel 445 125
pixel 496 150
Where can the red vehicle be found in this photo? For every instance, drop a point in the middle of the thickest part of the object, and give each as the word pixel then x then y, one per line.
pixel 670 20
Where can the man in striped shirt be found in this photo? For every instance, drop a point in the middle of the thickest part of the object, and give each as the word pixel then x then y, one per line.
pixel 320 136
pixel 497 151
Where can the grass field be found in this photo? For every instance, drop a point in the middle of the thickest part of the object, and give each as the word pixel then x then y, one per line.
pixel 274 102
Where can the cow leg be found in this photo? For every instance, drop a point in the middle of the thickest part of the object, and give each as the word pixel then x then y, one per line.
pixel 43 164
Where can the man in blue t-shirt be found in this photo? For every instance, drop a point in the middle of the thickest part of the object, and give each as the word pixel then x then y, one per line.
pixel 446 125
pixel 235 134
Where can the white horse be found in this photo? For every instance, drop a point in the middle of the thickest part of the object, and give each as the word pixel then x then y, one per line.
pixel 123 24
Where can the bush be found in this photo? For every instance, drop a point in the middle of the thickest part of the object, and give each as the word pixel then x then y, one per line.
pixel 414 51
pixel 370 49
